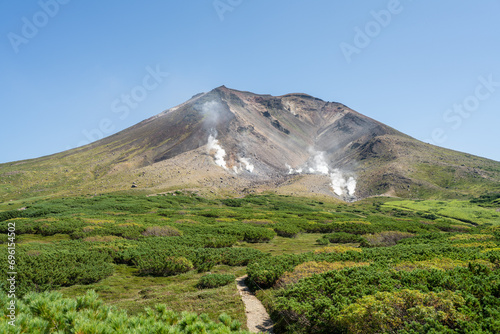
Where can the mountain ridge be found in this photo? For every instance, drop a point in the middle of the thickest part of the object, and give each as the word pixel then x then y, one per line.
pixel 289 144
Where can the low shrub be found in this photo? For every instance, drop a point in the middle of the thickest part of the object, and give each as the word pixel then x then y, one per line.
pixel 58 227
pixel 322 241
pixel 264 273
pixel 106 238
pixel 386 238
pixel 52 312
pixel 23 226
pixel 447 227
pixel 258 221
pixel 391 312
pixel 186 221
pixel 204 259
pixel 466 237
pixel 287 231
pixel 438 264
pixel 256 235
pixel 219 241
pixel 486 198
pixel 487 244
pixel 310 268
pixel 344 238
pixel 211 281
pixel 233 202
pixel 41 270
pixel 131 231
pixel 163 266
pixel 161 231
pixel 337 249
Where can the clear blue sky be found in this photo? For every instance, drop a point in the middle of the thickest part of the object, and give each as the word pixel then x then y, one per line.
pixel 429 68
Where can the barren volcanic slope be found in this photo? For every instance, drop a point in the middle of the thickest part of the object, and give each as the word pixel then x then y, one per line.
pixel 231 142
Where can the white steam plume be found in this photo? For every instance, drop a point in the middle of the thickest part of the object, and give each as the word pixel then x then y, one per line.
pixel 317 164
pixel 248 166
pixel 293 171
pixel 338 182
pixel 246 163
pixel 320 165
pixel 211 112
pixel 342 186
pixel 351 186
pixel 218 152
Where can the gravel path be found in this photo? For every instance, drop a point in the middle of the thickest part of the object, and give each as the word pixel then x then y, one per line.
pixel 258 321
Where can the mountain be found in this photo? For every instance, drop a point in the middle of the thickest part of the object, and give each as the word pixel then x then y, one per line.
pixel 230 142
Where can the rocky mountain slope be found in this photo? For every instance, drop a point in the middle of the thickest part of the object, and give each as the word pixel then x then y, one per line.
pixel 230 142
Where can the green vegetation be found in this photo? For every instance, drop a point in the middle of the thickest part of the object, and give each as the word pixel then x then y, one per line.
pixel 128 290
pixel 488 200
pixel 375 266
pixel 421 301
pixel 211 281
pixel 404 310
pixel 450 211
pixel 163 265
pixel 342 238
pixel 51 313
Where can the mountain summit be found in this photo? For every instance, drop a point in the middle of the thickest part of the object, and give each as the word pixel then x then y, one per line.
pixel 234 142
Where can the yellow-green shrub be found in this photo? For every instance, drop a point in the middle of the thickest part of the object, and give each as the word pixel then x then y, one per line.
pixel 186 221
pixel 479 237
pixel 337 249
pixel 460 228
pixel 163 266
pixel 310 268
pixel 90 228
pixel 488 244
pixel 225 220
pixel 258 221
pixel 496 249
pixel 97 221
pixel 361 222
pixel 161 231
pixel 437 263
pixel 389 312
pixel 106 238
pixel 129 225
pixel 386 238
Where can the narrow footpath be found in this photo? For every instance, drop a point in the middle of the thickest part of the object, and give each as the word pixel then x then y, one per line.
pixel 258 321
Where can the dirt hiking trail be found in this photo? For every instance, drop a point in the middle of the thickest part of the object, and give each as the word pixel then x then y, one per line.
pixel 258 321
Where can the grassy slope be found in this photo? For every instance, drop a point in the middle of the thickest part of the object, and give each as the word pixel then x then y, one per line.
pixel 405 167
pixel 433 173
pixel 126 289
pixel 129 291
pixel 461 211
